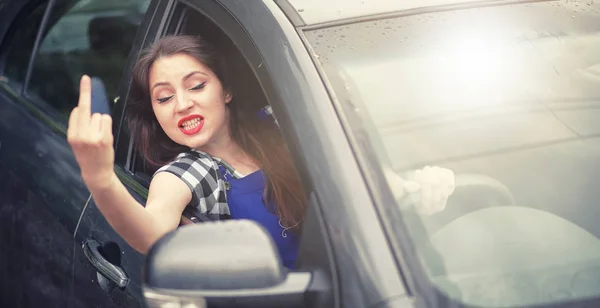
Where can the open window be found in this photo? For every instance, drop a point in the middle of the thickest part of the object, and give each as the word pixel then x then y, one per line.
pixel 214 24
pixel 187 21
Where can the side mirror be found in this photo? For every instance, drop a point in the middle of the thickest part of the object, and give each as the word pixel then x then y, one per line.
pixel 229 263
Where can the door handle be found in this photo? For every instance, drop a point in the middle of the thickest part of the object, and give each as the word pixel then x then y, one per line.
pixel 116 274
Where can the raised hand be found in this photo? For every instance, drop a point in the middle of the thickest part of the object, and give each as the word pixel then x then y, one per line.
pixel 91 138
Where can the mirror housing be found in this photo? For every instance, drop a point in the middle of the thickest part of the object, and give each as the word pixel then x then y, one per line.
pixel 232 262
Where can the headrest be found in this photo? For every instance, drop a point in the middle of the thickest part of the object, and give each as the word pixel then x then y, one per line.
pixel 111 33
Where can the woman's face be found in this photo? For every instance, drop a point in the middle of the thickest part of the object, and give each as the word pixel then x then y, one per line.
pixel 189 101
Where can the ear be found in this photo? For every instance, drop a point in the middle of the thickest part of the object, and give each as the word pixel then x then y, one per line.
pixel 228 97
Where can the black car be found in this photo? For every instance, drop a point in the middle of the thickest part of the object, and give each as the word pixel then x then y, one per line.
pixel 504 93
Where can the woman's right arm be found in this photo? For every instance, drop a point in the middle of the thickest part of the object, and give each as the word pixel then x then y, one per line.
pixel 142 226
pixel 91 139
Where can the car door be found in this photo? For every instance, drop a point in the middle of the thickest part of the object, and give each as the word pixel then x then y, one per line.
pixel 78 37
pixel 211 20
pixel 41 192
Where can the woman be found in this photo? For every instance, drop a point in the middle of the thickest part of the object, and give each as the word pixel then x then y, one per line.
pixel 215 154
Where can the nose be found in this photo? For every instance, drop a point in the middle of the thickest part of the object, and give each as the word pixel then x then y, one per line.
pixel 184 103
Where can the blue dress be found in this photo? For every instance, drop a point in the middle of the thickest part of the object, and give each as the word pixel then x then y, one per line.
pixel 245 201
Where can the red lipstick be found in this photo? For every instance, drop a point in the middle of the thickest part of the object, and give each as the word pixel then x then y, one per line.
pixel 191 124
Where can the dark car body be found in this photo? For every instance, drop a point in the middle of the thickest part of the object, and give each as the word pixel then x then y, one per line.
pixel 50 229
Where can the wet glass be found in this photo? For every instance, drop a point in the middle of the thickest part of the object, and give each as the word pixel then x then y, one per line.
pixel 507 97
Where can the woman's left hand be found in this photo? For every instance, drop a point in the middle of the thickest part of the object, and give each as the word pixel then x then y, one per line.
pixel 428 188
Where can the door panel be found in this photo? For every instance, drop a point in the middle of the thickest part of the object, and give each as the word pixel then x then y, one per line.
pixel 41 199
pixel 36 249
pixel 100 293
pixel 41 192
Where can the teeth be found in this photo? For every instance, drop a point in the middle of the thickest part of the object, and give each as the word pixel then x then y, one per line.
pixel 191 124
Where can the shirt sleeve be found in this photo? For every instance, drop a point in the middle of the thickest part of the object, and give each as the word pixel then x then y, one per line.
pixel 199 175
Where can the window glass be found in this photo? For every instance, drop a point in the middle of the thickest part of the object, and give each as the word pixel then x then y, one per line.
pixel 88 37
pixel 21 45
pixel 507 97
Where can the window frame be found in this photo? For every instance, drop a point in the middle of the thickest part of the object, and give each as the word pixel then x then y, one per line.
pixel 309 116
pixel 21 14
pixel 42 109
pixel 36 104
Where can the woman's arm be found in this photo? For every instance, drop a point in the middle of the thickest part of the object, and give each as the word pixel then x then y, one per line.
pixel 91 138
pixel 142 226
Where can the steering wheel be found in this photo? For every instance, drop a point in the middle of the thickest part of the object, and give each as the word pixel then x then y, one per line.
pixel 514 256
pixel 472 192
pixel 484 250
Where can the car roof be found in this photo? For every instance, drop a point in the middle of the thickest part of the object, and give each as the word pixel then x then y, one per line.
pixel 319 11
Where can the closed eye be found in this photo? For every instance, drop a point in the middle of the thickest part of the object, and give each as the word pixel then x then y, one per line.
pixel 198 87
pixel 164 99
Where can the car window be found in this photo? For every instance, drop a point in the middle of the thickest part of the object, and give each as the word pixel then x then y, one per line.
pixel 88 37
pixel 21 44
pixel 507 97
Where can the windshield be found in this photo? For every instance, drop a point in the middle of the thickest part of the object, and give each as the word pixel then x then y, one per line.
pixel 507 97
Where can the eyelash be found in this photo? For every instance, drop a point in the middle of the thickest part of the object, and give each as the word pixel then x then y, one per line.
pixel 166 99
pixel 199 87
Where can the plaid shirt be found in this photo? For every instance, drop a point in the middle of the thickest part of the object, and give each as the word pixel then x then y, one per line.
pixel 200 172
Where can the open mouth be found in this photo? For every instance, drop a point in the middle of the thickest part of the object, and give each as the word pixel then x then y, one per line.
pixel 191 125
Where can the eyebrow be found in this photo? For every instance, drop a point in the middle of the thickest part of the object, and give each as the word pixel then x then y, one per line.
pixel 183 79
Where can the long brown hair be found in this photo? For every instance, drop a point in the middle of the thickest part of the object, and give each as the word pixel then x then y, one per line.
pixel 258 138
